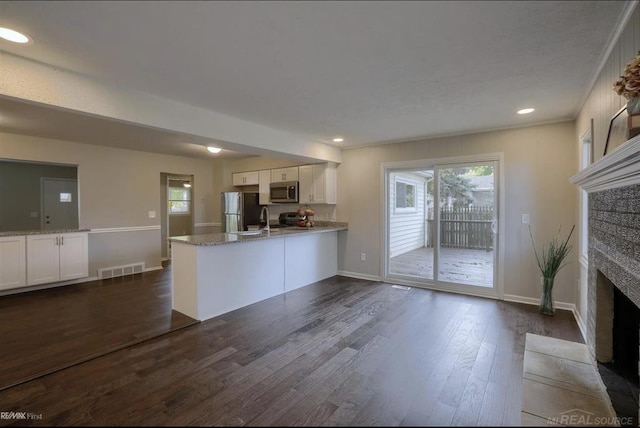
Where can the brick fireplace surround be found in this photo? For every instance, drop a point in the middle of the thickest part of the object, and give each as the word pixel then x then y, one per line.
pixel 613 185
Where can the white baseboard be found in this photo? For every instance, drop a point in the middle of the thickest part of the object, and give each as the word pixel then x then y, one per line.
pixel 581 324
pixel 47 286
pixel 536 301
pixel 153 268
pixel 359 275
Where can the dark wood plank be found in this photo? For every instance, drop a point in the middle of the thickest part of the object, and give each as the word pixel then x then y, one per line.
pixel 338 352
pixel 48 330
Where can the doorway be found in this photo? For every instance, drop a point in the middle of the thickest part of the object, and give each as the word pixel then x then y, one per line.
pixel 442 228
pixel 59 204
pixel 177 210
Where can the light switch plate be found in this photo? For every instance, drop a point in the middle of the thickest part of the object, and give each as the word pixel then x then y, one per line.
pixel 152 214
pixel 525 218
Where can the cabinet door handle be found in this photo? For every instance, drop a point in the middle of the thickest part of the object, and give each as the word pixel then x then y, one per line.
pixel 62 240
pixel 56 240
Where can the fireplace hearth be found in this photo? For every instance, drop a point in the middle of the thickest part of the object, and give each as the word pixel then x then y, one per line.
pixel 613 294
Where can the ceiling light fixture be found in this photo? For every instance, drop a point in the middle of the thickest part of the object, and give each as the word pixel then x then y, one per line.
pixel 526 110
pixel 187 185
pixel 338 140
pixel 13 35
pixel 214 149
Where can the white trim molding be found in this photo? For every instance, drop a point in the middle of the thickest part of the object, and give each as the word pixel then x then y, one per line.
pixel 207 224
pixel 357 275
pixel 617 169
pixel 124 229
pixel 619 27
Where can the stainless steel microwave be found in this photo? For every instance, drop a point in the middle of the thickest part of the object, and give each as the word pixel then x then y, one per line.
pixel 285 191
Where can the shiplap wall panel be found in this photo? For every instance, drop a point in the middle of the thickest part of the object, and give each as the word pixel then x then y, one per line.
pixel 406 229
pixel 602 102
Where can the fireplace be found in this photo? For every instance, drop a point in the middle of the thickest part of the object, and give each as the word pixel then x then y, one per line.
pixel 613 294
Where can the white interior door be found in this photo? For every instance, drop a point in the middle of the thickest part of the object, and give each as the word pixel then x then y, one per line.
pixel 59 204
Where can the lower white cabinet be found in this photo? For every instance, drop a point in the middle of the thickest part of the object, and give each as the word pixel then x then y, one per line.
pixel 57 257
pixel 13 270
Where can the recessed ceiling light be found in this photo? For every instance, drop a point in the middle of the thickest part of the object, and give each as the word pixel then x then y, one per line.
pixel 338 140
pixel 213 149
pixel 13 36
pixel 526 111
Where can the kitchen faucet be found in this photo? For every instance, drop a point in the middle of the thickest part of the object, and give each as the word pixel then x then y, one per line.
pixel 265 208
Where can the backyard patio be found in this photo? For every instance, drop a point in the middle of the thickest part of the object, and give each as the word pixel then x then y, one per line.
pixel 459 265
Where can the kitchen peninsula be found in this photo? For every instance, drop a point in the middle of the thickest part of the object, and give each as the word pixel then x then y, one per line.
pixel 217 273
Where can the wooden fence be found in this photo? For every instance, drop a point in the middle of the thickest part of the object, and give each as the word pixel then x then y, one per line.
pixel 463 228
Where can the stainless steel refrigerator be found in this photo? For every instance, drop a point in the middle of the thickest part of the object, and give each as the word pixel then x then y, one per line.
pixel 240 209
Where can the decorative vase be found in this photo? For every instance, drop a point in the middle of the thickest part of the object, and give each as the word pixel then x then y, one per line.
pixel 546 301
pixel 633 105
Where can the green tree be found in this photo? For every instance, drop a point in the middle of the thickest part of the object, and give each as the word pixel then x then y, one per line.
pixel 454 187
pixel 482 170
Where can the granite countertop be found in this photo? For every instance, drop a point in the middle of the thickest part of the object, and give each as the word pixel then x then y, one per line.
pixel 40 232
pixel 213 239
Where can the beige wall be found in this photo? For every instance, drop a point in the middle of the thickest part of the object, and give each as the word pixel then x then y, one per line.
pixel 538 162
pixel 601 104
pixel 118 188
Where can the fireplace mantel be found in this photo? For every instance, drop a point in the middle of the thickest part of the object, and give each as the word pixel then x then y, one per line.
pixel 620 168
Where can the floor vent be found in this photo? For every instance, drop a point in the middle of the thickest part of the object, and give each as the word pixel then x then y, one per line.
pixel 116 271
pixel 401 287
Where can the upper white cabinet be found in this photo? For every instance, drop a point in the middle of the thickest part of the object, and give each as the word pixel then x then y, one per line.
pixel 57 257
pixel 264 179
pixel 13 271
pixel 284 174
pixel 248 178
pixel 318 184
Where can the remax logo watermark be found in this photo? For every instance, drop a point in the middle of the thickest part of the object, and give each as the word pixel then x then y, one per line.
pixel 11 416
pixel 582 417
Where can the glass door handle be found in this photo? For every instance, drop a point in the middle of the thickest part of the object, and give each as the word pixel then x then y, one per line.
pixel 494 226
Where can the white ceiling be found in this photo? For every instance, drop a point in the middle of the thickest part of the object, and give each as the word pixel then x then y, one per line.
pixel 371 72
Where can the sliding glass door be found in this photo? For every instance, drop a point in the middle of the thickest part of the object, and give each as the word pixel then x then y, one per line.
pixel 442 224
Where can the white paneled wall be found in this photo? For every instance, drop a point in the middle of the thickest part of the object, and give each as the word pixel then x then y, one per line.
pixel 602 102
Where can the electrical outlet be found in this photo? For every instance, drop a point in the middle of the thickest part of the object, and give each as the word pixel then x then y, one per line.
pixel 525 218
pixel 363 257
pixel 152 214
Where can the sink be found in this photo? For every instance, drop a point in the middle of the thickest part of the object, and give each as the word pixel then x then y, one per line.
pixel 248 232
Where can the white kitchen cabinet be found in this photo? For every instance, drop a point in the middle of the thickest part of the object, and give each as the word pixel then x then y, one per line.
pixel 248 178
pixel 264 180
pixel 13 270
pixel 57 257
pixel 318 184
pixel 284 174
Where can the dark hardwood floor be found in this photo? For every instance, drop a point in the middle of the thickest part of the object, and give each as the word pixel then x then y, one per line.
pixel 46 330
pixel 338 352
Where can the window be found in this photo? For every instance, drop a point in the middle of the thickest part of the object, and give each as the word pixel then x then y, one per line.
pixel 65 197
pixel 405 196
pixel 179 200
